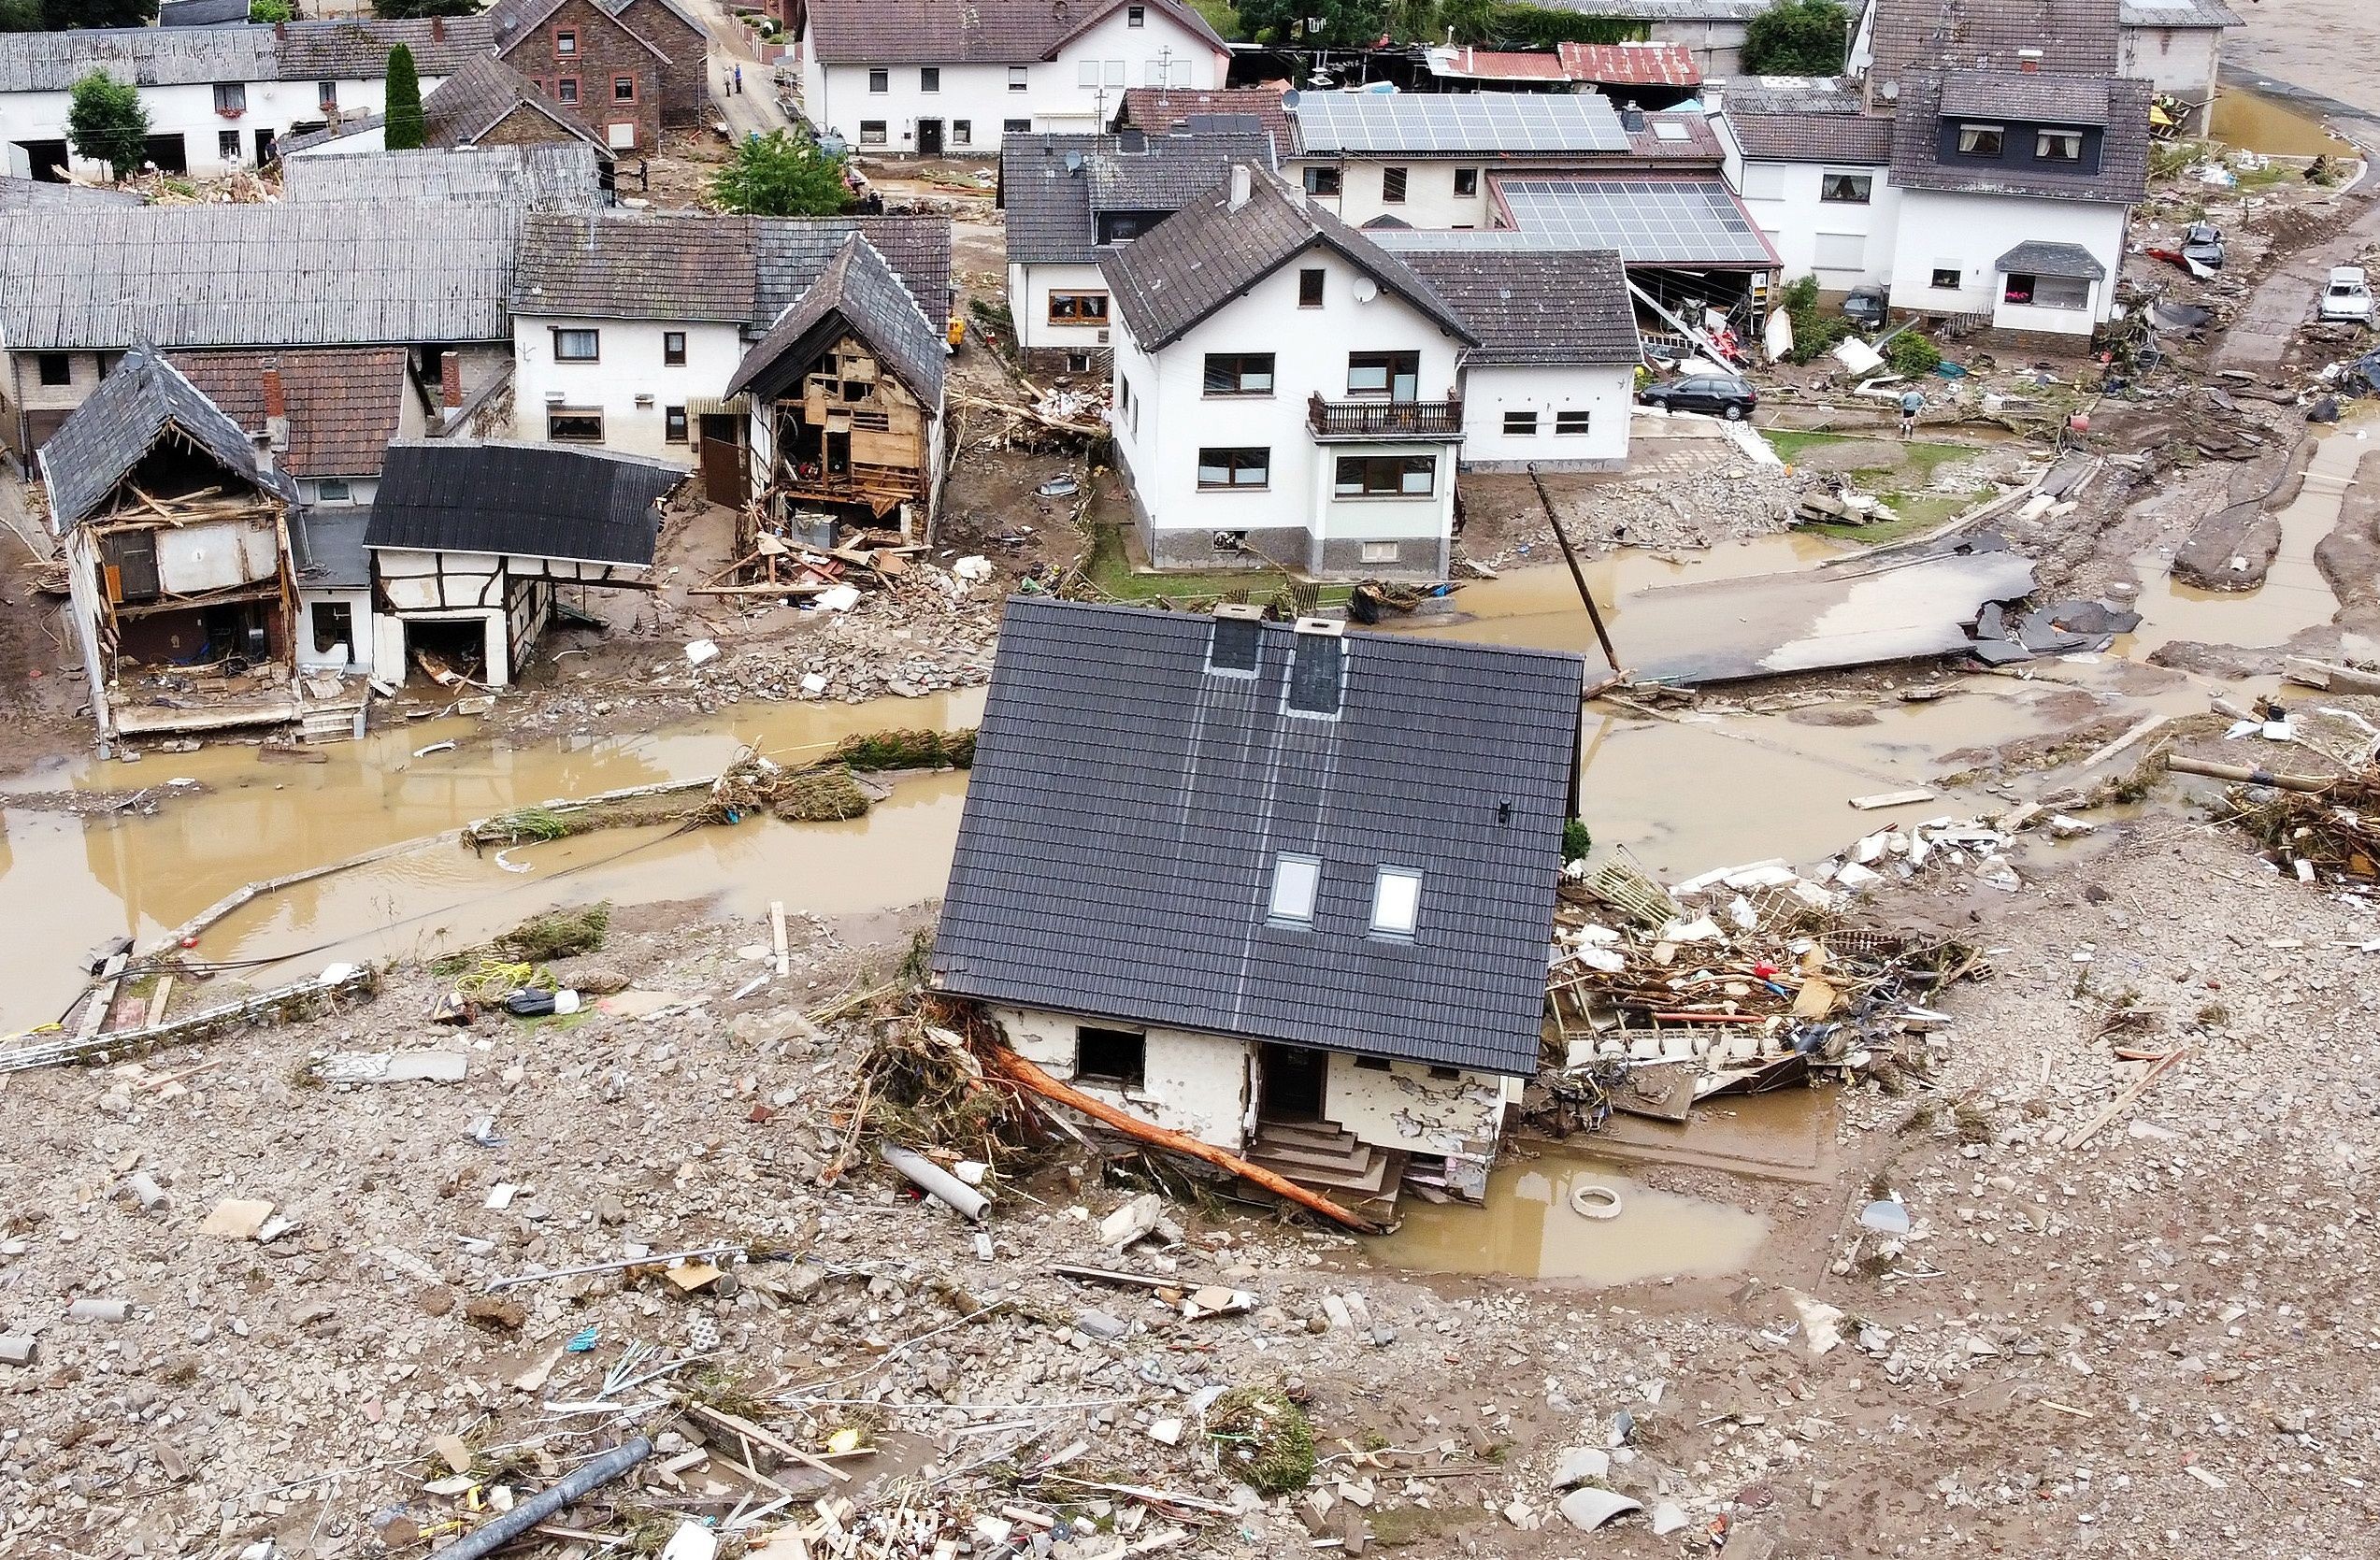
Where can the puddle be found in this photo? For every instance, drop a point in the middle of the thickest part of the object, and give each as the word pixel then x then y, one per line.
pixel 96 878
pixel 1529 1230
pixel 2294 594
pixel 2254 122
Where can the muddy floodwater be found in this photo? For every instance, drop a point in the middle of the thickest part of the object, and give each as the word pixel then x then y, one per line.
pixel 2254 122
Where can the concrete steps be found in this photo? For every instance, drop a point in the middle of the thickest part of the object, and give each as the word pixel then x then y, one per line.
pixel 1327 1159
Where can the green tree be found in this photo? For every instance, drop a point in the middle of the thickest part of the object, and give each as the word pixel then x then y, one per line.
pixel 62 14
pixel 1413 21
pixel 271 10
pixel 107 124
pixel 1471 22
pixel 21 15
pixel 777 175
pixel 399 9
pixel 1798 37
pixel 403 116
pixel 1340 23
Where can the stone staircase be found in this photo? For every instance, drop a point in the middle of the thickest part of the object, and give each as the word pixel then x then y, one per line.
pixel 1328 1159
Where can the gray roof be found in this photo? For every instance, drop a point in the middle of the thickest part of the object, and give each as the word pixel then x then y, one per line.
pixel 2069 37
pixel 561 174
pixel 529 500
pixel 27 195
pixel 485 91
pixel 1795 94
pixel 857 292
pixel 2180 13
pixel 1127 808
pixel 969 32
pixel 1826 137
pixel 627 264
pixel 2032 98
pixel 2123 170
pixel 1452 124
pixel 294 273
pixel 1052 186
pixel 200 13
pixel 105 437
pixel 1536 307
pixel 295 51
pixel 328 544
pixel 1190 266
pixel 2039 259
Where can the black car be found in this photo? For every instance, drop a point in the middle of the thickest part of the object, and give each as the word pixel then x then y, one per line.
pixel 2203 243
pixel 1720 394
pixel 1866 308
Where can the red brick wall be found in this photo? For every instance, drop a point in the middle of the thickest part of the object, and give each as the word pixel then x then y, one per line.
pixel 605 51
pixel 685 80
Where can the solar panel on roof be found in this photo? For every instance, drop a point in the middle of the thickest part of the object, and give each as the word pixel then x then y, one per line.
pixel 1515 123
pixel 1651 222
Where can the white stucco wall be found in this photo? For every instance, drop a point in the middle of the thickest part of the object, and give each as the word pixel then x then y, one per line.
pixel 629 367
pixel 2182 60
pixel 1030 289
pixel 1971 233
pixel 356 654
pixel 1193 1083
pixel 189 111
pixel 1604 393
pixel 1783 198
pixel 1057 96
pixel 1405 1108
pixel 1430 200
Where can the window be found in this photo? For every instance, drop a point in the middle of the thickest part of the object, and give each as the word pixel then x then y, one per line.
pixel 1078 308
pixel 1235 469
pixel 2047 291
pixel 1946 279
pixel 1372 1064
pixel 1017 81
pixel 1295 879
pixel 624 89
pixel 565 427
pixel 1318 674
pixel 326 96
pixel 567 90
pixel 57 368
pixel 1570 423
pixel 1846 189
pixel 334 625
pixel 1239 374
pixel 1385 476
pixel 1077 362
pixel 1017 127
pixel 1981 140
pixel 929 78
pixel 1309 289
pixel 673 347
pixel 1232 643
pixel 1394 375
pixel 565 42
pixel 2059 145
pixel 333 490
pixel 1136 16
pixel 576 346
pixel 1321 181
pixel 673 424
pixel 1467 181
pixel 231 97
pixel 227 145
pixel 871 132
pixel 880 80
pixel 962 131
pixel 1520 423
pixel 1395 901
pixel 1377 552
pixel 1392 186
pixel 1117 1057
pixel 1840 251
pixel 1764 181
pixel 1115 73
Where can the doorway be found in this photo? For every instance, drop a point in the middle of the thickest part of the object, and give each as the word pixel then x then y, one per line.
pixel 170 153
pixel 929 138
pixel 1292 1084
pixel 46 160
pixel 263 146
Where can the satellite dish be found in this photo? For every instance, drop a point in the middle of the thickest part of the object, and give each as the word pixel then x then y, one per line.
pixel 1366 289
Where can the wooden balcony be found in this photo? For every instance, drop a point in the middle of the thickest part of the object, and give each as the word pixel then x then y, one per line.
pixel 1437 420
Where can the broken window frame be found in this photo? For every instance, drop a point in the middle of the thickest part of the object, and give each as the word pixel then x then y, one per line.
pixel 1127 1049
pixel 583 419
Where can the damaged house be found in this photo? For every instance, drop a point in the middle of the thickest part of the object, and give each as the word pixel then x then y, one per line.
pixel 1284 889
pixel 174 524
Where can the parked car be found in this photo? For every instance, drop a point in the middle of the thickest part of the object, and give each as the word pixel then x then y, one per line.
pixel 1865 307
pixel 2346 296
pixel 2203 243
pixel 1720 394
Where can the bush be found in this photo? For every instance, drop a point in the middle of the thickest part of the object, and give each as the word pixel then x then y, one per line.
pixel 1814 331
pixel 779 175
pixel 1912 355
pixel 1576 841
pixel 1799 38
pixel 271 10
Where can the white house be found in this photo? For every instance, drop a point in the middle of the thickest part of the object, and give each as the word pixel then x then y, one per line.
pixel 1312 927
pixel 1285 390
pixel 936 78
pixel 2178 45
pixel 629 326
pixel 1813 169
pixel 218 97
pixel 1071 198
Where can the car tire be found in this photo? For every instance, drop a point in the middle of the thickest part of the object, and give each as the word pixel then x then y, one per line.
pixel 1734 412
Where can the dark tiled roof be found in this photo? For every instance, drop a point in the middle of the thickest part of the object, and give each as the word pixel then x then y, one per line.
pixel 32 194
pixel 2123 171
pixel 859 292
pixel 345 403
pixel 2037 259
pixel 472 101
pixel 621 264
pixel 544 174
pixel 2020 96
pixel 201 13
pixel 291 51
pixel 531 500
pixel 1677 139
pixel 328 545
pixel 508 21
pixel 1126 808
pixel 1161 108
pixel 2075 37
pixel 104 439
pixel 1812 138
pixel 1549 307
pixel 1206 254
pixel 327 49
pixel 969 32
pixel 1053 185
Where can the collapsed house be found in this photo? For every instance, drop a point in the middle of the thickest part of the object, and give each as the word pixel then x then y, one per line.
pixel 1281 889
pixel 470 539
pixel 175 528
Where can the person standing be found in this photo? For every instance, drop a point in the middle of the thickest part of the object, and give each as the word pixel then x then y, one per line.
pixel 1911 403
pixel 740 81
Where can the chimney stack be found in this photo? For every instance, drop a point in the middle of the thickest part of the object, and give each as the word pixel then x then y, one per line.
pixel 276 411
pixel 1240 189
pixel 437 29
pixel 280 31
pixel 262 443
pixel 450 380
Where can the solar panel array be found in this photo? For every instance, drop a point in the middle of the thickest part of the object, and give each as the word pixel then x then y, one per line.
pixel 1517 125
pixel 1651 222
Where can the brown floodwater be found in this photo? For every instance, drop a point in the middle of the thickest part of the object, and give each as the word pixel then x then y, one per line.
pixel 2254 122
pixel 1528 1229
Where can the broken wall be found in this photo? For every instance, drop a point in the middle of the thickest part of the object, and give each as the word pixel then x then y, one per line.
pixel 195 559
pixel 1405 1108
pixel 1192 1084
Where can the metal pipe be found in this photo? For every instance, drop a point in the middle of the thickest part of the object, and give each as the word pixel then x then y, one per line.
pixel 938 1183
pixel 586 1477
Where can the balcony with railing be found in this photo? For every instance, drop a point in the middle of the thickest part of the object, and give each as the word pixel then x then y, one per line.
pixel 1427 419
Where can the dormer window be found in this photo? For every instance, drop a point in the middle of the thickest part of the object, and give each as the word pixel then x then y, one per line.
pixel 1317 670
pixel 1232 644
pixel 1396 902
pixel 1295 880
pixel 1982 140
pixel 2059 145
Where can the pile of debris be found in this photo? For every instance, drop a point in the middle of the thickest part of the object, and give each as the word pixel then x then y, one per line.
pixel 2003 637
pixel 922 630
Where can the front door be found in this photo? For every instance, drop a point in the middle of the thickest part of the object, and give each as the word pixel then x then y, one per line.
pixel 929 138
pixel 1292 1080
pixel 263 146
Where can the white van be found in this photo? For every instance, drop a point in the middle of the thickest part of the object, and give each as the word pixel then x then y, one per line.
pixel 2346 296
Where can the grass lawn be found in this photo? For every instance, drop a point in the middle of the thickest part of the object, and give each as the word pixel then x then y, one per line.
pixel 1110 568
pixel 1902 482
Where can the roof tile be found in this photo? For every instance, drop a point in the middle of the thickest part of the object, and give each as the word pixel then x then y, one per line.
pixel 345 403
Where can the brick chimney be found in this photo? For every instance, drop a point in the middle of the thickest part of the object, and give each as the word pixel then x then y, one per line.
pixel 276 411
pixel 280 31
pixel 450 380
pixel 437 29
